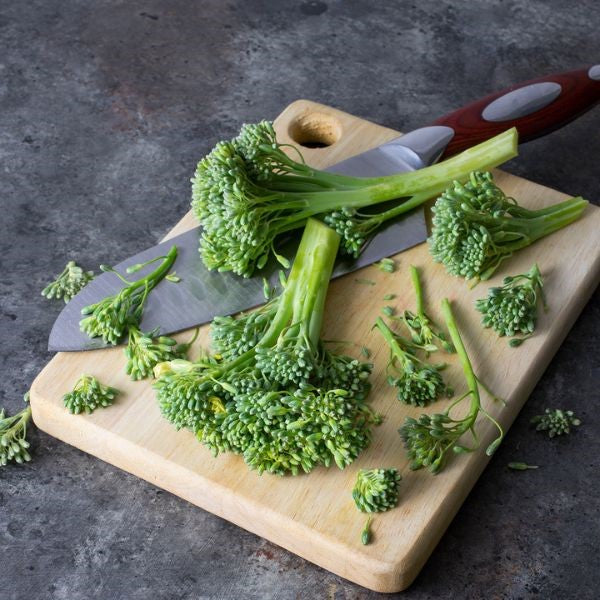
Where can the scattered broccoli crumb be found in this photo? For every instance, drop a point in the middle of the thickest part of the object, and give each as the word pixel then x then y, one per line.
pixel 387 265
pixel 69 283
pixel 521 466
pixel 556 422
pixel 173 277
pixel 388 311
pixel 13 436
pixel 376 490
pixel 365 352
pixel 365 535
pixel 389 296
pixel 365 281
pixel 512 308
pixel 88 395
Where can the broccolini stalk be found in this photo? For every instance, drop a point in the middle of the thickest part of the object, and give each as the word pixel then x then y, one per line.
pixel 512 308
pixel 418 383
pixel 144 351
pixel 556 422
pixel 476 227
pixel 430 437
pixel 69 283
pixel 88 395
pixel 425 334
pixel 109 318
pixel 253 399
pixel 376 490
pixel 248 191
pixel 13 436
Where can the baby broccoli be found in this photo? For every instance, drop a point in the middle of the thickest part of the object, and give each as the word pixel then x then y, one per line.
pixel 424 333
pixel 88 395
pixel 13 436
pixel 110 317
pixel 272 392
pixel 144 351
pixel 428 438
pixel 376 490
pixel 556 422
pixel 512 308
pixel 69 283
pixel 476 227
pixel 248 191
pixel 418 383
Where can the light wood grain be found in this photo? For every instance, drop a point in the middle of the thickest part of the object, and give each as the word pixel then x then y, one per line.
pixel 314 515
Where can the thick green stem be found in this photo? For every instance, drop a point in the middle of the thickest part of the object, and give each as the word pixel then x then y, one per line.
pixel 433 179
pixel 303 299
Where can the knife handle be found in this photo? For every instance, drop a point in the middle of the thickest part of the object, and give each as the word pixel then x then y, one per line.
pixel 535 108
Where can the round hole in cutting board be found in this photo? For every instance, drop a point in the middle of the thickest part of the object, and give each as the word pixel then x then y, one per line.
pixel 315 130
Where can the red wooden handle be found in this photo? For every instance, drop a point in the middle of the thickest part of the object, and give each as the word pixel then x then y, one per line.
pixel 578 93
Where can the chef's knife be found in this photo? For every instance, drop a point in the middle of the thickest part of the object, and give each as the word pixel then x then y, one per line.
pixel 535 107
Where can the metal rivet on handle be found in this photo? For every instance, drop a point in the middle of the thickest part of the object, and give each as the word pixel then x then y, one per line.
pixel 594 73
pixel 521 102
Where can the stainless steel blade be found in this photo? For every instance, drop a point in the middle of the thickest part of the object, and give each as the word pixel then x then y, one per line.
pixel 202 294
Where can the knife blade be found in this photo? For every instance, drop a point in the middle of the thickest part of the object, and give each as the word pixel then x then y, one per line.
pixel 535 107
pixel 201 294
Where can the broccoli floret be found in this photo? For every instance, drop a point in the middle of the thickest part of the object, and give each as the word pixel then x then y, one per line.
pixel 110 317
pixel 476 227
pixel 429 438
pixel 376 490
pixel 276 395
pixel 145 350
pixel 69 283
pixel 556 422
pixel 418 383
pixel 512 308
pixel 248 191
pixel 13 436
pixel 89 394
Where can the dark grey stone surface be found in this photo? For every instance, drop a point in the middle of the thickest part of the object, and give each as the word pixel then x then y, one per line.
pixel 104 109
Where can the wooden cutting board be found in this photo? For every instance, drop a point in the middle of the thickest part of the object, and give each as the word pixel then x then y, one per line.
pixel 314 515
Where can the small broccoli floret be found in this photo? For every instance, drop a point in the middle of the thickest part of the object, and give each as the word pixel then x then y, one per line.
pixel 376 490
pixel 429 438
pixel 248 191
pixel 512 308
pixel 424 332
pixel 88 395
pixel 556 422
pixel 145 350
pixel 418 383
pixel 69 283
pixel 476 227
pixel 110 317
pixel 13 436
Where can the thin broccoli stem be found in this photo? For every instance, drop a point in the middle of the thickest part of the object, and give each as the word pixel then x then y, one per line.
pixel 391 339
pixel 467 367
pixel 414 275
pixel 149 281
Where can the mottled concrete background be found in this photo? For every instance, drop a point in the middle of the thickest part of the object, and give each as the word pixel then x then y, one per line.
pixel 104 109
